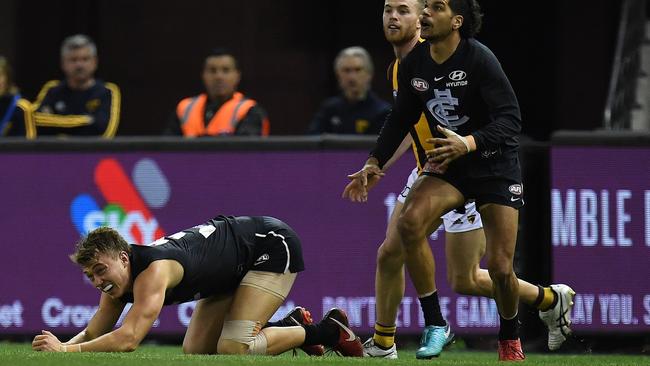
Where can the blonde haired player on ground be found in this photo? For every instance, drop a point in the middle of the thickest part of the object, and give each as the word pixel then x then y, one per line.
pixel 240 269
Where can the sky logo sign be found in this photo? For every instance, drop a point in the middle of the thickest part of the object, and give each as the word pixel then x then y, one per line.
pixel 127 201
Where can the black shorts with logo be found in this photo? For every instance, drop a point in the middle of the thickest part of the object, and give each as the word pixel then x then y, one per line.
pixel 272 245
pixel 503 188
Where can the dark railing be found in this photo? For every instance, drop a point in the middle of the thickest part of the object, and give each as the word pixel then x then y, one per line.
pixel 626 65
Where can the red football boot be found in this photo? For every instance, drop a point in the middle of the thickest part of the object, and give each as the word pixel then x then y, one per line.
pixel 348 345
pixel 510 350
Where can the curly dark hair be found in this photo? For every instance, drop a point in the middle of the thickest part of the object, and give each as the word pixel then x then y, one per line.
pixel 101 240
pixel 472 16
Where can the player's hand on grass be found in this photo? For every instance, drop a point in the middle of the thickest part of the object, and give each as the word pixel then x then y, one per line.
pixel 449 148
pixel 47 342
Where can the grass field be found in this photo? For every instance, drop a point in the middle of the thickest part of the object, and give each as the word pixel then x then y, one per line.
pixel 12 354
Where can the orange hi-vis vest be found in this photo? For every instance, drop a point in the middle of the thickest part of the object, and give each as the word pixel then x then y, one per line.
pixel 190 112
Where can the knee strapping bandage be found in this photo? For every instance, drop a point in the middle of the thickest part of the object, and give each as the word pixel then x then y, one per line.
pixel 246 332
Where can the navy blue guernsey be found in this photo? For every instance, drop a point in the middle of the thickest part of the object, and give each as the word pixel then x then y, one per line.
pixel 214 256
pixel 469 94
pixel 91 112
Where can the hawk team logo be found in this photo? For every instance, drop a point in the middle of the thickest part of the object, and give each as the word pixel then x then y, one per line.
pixel 126 202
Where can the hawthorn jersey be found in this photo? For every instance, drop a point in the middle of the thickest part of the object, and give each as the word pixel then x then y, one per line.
pixel 421 131
pixel 216 255
pixel 468 94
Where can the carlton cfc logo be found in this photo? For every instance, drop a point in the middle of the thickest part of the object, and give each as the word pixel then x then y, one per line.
pixel 127 201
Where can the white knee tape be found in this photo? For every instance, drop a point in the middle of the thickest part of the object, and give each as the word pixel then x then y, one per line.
pixel 258 346
pixel 246 332
pixel 242 331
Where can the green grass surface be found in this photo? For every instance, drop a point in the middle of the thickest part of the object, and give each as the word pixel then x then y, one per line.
pixel 21 354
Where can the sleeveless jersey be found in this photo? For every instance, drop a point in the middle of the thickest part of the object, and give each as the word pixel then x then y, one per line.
pixel 215 256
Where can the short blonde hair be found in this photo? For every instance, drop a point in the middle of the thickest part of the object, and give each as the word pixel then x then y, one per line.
pixel 103 240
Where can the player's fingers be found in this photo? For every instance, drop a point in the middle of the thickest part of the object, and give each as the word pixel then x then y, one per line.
pixel 40 338
pixel 437 158
pixel 38 343
pixel 350 195
pixel 439 150
pixel 445 164
pixel 355 175
pixel 436 140
pixel 442 142
pixel 444 131
pixel 377 172
pixel 347 190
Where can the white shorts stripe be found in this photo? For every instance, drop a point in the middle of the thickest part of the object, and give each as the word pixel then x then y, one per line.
pixel 286 247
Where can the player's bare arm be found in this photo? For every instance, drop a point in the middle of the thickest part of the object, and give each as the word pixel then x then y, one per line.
pixel 148 298
pixel 101 323
pixel 370 168
pixel 355 190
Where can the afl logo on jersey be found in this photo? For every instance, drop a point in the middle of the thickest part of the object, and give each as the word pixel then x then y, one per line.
pixel 457 75
pixel 419 84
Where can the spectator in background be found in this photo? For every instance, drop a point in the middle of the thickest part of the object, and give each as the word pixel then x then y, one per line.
pixel 15 112
pixel 220 109
pixel 357 110
pixel 79 105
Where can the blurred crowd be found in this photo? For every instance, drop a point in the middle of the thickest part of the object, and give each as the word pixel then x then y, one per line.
pixel 81 105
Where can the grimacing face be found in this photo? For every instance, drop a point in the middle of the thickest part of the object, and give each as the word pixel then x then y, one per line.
pixel 220 76
pixel 110 273
pixel 401 20
pixel 353 76
pixel 79 64
pixel 438 20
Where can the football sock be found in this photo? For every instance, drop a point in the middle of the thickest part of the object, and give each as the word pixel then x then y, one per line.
pixel 384 336
pixel 509 329
pixel 546 299
pixel 431 310
pixel 325 333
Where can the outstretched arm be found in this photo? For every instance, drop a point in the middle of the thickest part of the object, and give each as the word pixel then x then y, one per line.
pixel 149 296
pixel 403 147
pixel 101 323
pixel 355 191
